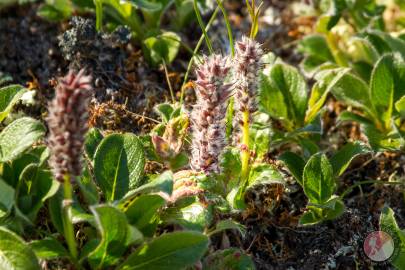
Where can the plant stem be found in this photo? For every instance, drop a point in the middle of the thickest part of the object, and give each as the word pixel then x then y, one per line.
pixel 196 49
pixel 168 82
pixel 99 14
pixel 349 189
pixel 228 27
pixel 201 23
pixel 67 224
pixel 245 154
pixel 337 54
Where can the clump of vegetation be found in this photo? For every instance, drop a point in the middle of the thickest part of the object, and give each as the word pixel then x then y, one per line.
pixel 247 153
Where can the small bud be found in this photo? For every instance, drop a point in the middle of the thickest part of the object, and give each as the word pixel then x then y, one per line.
pixel 161 146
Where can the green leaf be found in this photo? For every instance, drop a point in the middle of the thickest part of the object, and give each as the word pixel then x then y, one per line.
pixel 295 165
pixel 329 210
pixel 18 137
pixel 363 51
pixel 264 174
pixel 48 248
pixel 382 89
pixel 9 96
pixel 179 161
pixel 318 180
pixel 61 10
pixel 165 110
pixel 162 183
pixel 309 218
pixel 55 211
pixel 349 116
pixel 283 94
pixel 169 251
pixel 231 258
pixel 231 166
pixel 148 6
pixel 143 212
pixel 6 198
pixel 334 208
pixel 400 105
pixel 15 253
pixel 118 165
pixel 228 224
pixel 385 42
pixel 135 237
pixel 88 187
pixel 332 15
pixel 195 216
pixel 113 228
pixel 36 185
pixel 92 141
pixel 260 134
pixel 382 141
pixel 353 91
pixel 326 80
pixel 341 160
pixel 163 47
pixel 389 225
pixel 317 47
pixel 308 146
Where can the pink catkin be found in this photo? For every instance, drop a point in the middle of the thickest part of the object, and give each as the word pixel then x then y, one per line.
pixel 247 64
pixel 208 115
pixel 67 122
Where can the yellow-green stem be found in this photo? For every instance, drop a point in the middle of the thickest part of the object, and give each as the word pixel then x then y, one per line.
pixel 67 224
pixel 245 154
pixel 337 54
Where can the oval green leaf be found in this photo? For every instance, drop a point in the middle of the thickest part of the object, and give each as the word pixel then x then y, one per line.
pixel 318 180
pixel 175 250
pixel 18 137
pixel 15 254
pixel 118 164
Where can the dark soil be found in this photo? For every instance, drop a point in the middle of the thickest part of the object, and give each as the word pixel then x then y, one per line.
pixel 29 46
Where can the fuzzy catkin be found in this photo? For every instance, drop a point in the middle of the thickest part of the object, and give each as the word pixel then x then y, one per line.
pixel 247 66
pixel 67 122
pixel 208 115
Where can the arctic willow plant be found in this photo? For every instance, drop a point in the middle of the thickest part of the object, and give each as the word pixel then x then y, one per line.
pixel 208 116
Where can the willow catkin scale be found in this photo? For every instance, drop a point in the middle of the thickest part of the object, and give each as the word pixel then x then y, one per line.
pixel 67 122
